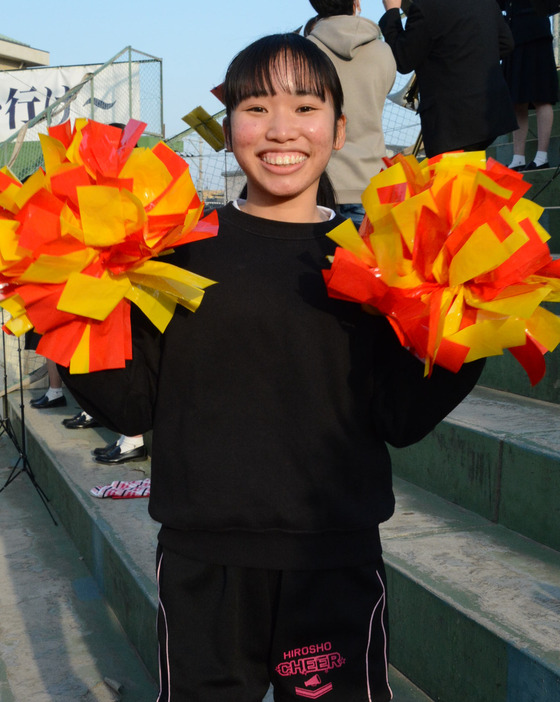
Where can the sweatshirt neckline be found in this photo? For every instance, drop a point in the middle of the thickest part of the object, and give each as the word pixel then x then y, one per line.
pixel 272 229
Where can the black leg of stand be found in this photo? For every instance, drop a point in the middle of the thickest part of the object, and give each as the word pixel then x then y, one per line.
pixel 5 422
pixel 22 463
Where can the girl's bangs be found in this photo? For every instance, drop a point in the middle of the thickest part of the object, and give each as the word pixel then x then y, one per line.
pixel 262 69
pixel 289 71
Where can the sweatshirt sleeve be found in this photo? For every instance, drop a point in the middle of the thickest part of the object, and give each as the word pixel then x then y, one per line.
pixel 410 45
pixel 406 405
pixel 123 399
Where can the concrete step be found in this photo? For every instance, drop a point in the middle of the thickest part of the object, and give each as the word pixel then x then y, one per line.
pixel 545 186
pixel 550 220
pixel 502 148
pixel 60 641
pixel 474 607
pixel 505 373
pixel 498 455
pixel 116 538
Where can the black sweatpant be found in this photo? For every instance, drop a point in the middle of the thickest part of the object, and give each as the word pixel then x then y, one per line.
pixel 225 633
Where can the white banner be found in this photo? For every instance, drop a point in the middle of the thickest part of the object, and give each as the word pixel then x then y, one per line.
pixel 27 92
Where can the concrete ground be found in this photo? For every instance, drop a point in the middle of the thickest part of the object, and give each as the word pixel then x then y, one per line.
pixel 59 641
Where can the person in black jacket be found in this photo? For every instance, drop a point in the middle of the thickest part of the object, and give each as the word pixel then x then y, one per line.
pixel 455 48
pixel 271 409
pixel 532 79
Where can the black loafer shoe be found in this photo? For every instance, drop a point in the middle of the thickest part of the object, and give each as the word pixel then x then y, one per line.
pixel 105 449
pixel 81 421
pixel 71 419
pixel 45 403
pixel 533 166
pixel 115 455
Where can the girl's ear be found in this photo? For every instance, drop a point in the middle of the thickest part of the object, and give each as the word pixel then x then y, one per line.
pixel 340 133
pixel 226 128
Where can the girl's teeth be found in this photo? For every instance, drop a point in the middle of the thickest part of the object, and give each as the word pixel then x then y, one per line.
pixel 284 160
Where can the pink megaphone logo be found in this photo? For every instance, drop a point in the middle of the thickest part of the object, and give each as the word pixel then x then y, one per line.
pixel 313 682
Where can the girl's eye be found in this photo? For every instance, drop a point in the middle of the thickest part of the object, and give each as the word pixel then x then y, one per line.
pixel 256 108
pixel 306 108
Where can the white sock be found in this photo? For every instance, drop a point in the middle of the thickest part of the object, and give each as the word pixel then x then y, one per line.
pixel 127 443
pixel 54 393
pixel 540 158
pixel 86 416
pixel 518 160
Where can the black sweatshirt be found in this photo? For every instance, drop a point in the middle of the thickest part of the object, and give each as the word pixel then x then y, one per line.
pixel 271 405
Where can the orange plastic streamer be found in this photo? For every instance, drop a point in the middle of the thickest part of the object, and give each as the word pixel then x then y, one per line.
pixel 454 256
pixel 77 240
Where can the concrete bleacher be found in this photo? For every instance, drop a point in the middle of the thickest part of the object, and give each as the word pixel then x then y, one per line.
pixel 472 553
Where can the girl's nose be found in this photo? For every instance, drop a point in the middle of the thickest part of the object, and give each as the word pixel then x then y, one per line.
pixel 282 127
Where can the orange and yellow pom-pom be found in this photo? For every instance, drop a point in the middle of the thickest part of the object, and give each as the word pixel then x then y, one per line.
pixel 454 256
pixel 77 240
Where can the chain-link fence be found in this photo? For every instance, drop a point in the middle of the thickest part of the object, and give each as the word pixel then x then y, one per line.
pixel 127 86
pixel 218 178
pixel 401 125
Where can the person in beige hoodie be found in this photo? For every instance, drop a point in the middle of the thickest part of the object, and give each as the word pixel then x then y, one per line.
pixel 367 70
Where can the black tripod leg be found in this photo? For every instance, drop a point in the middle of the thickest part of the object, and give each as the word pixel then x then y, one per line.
pixel 22 448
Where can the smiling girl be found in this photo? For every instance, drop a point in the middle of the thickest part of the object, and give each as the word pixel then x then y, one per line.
pixel 283 123
pixel 271 408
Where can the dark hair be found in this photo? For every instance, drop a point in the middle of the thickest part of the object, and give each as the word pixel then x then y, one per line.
pixel 254 70
pixel 328 8
pixel 310 25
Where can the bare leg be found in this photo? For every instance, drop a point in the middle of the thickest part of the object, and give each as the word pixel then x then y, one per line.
pixel 520 135
pixel 545 118
pixel 54 397
pixel 55 381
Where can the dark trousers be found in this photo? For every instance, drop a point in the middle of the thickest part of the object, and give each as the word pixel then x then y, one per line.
pixel 226 633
